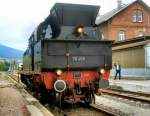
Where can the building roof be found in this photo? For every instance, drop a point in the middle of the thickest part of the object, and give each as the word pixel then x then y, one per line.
pixel 130 43
pixel 103 18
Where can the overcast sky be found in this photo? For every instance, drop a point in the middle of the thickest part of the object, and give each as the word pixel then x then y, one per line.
pixel 18 18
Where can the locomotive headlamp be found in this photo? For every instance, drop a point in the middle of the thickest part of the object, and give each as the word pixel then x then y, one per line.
pixel 59 72
pixel 80 29
pixel 102 71
pixel 59 86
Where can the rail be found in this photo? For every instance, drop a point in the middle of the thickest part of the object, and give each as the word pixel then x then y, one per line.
pixel 13 76
pixel 104 109
pixel 143 97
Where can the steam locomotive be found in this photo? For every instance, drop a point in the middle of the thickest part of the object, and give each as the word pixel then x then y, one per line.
pixel 66 59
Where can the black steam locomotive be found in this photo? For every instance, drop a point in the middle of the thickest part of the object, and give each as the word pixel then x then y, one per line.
pixel 66 58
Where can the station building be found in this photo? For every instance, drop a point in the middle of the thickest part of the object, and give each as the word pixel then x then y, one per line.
pixel 134 57
pixel 129 26
pixel 126 21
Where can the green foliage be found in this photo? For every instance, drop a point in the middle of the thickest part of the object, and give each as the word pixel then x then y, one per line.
pixel 4 65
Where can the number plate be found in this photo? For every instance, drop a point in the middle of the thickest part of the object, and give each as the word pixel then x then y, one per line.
pixel 77 74
pixel 78 59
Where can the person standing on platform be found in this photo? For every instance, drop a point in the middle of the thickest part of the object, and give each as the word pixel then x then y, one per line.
pixel 118 70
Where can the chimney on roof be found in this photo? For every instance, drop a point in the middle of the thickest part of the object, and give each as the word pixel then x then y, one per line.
pixel 119 4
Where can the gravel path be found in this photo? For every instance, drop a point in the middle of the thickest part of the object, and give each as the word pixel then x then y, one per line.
pixel 11 101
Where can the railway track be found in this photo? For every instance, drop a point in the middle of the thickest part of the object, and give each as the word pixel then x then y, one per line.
pixel 13 76
pixel 81 110
pixel 106 110
pixel 141 100
pixel 136 96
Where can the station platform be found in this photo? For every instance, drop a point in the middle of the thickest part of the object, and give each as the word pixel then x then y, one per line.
pixel 131 85
pixel 16 101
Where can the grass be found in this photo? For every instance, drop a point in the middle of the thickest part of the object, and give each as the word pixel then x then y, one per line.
pixel 6 78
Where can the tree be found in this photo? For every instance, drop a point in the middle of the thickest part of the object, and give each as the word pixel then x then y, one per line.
pixel 4 65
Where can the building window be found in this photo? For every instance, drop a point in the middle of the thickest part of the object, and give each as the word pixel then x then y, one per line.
pixel 137 16
pixel 121 35
pixel 140 33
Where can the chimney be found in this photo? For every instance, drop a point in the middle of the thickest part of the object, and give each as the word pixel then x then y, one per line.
pixel 119 4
